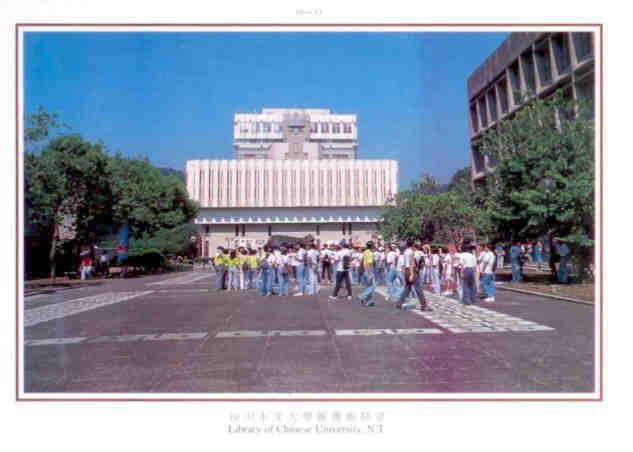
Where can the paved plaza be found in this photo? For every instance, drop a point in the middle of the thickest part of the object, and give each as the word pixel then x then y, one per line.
pixel 175 334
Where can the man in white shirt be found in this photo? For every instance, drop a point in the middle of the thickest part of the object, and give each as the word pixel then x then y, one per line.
pixel 342 260
pixel 411 278
pixel 487 273
pixel 435 271
pixel 469 274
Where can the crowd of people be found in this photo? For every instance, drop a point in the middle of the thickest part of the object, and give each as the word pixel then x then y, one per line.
pixel 404 269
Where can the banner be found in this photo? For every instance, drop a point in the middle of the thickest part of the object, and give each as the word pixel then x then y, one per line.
pixel 123 243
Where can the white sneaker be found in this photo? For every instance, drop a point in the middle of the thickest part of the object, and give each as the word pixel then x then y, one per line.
pixel 298 294
pixel 489 300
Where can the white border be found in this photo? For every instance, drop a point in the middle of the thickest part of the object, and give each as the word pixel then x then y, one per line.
pixel 294 396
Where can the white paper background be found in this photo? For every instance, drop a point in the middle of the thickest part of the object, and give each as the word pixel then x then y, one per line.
pixel 445 425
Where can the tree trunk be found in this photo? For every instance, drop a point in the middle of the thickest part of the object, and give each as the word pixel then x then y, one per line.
pixel 51 255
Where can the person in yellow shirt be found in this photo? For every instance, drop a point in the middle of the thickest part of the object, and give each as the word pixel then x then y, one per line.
pixel 232 264
pixel 219 263
pixel 251 271
pixel 367 276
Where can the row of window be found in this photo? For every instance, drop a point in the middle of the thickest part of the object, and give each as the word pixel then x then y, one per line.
pixel 315 127
pixel 240 229
pixel 533 71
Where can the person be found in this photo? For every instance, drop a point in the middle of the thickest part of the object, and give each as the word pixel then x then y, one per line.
pixel 284 270
pixel 85 267
pixel 368 276
pixel 104 263
pixel 326 263
pixel 355 271
pixel 252 269
pixel 435 271
pixel 401 270
pixel 469 274
pixel 312 259
pixel 299 264
pixel 219 262
pixel 379 265
pixel 515 262
pixel 342 260
pixel 538 254
pixel 563 261
pixel 392 273
pixel 411 279
pixel 487 273
pixel 267 268
pixel 500 252
pixel 233 263
pixel 448 270
pixel 242 268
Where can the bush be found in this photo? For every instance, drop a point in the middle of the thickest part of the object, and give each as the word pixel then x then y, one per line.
pixel 149 259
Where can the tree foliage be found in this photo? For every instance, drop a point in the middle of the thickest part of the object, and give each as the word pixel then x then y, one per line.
pixel 146 200
pixel 544 176
pixel 427 212
pixel 73 186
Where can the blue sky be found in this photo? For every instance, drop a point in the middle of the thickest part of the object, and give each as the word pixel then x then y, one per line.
pixel 172 96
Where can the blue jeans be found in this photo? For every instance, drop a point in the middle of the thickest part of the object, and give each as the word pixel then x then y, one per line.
pixel 301 275
pixel 380 274
pixel 500 262
pixel 368 282
pixel 250 278
pixel 267 281
pixel 563 271
pixel 233 278
pixel 468 289
pixel 392 274
pixel 435 280
pixel 516 270
pixel 312 282
pixel 342 277
pixel 219 276
pixel 284 282
pixel 487 281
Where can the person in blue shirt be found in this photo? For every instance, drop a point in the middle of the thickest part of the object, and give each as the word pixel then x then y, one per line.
pixel 515 261
pixel 563 261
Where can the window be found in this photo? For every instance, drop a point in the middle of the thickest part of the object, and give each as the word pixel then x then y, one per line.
pixel 258 127
pixel 492 104
pixel 473 117
pixel 347 127
pixel 583 45
pixel 543 66
pixel 336 127
pixel 561 52
pixel 277 127
pixel 502 89
pixel 478 160
pixel 585 93
pixel 513 72
pixel 313 127
pixel 243 127
pixel 253 127
pixel 266 127
pixel 527 61
pixel 483 115
pixel 324 127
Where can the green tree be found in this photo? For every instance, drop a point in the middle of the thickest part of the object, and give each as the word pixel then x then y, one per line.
pixel 39 125
pixel 66 191
pixel 543 182
pixel 170 242
pixel 144 199
pixel 460 180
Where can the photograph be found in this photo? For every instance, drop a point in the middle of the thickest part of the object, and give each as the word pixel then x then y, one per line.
pixel 361 212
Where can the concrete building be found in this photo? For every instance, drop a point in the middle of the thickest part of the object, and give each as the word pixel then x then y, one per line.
pixel 282 189
pixel 280 133
pixel 535 63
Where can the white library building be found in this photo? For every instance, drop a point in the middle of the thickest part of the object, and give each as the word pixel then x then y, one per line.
pixel 295 174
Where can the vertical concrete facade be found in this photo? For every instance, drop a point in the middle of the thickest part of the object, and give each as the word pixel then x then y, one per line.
pixel 524 65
